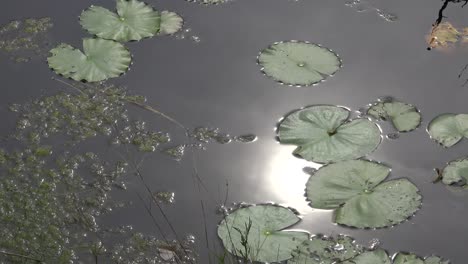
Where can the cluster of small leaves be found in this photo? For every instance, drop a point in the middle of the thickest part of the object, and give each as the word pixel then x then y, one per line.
pixel 143 139
pixel 23 39
pixel 49 204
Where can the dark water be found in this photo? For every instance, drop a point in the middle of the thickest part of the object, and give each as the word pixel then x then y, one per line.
pixel 217 83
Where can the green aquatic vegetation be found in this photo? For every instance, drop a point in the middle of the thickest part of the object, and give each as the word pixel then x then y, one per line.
pixel 409 258
pixel 142 138
pixel 25 39
pixel 325 250
pixel 371 257
pixel 298 63
pixel 256 233
pixel 133 20
pixel 356 190
pixel 455 173
pixel 448 129
pixel 404 117
pixel 324 133
pixel 102 59
pixel 170 23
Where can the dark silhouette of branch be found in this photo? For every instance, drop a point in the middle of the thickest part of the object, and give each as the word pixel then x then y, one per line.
pixel 444 6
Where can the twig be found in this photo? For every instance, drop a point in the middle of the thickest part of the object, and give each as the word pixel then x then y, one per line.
pixel 19 256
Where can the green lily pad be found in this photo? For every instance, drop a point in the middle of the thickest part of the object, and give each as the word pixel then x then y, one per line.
pixel 170 23
pixel 435 260
pixel 404 117
pixel 298 63
pixel 134 20
pixel 101 60
pixel 355 189
pixel 323 250
pixel 324 134
pixel 378 256
pixel 255 232
pixel 405 258
pixel 448 129
pixel 456 172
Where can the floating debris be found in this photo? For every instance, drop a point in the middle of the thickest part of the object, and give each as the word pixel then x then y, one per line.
pixel 444 35
pixel 364 6
pixel 164 197
pixel 246 138
pixel 177 152
pixel 25 39
pixel 209 2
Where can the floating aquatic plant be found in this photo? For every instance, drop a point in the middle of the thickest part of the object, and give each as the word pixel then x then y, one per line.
pixel 324 134
pixel 378 256
pixel 448 129
pixel 134 20
pixel 255 233
pixel 409 258
pixel 442 35
pixel 356 190
pixel 325 250
pixel 170 23
pixel 298 63
pixel 455 173
pixel 102 59
pixel 404 117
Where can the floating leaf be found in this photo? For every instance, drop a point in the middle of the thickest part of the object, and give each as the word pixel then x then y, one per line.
pixel 255 233
pixel 355 188
pixel 442 35
pixel 134 20
pixel 170 23
pixel 435 260
pixel 404 258
pixel 378 256
pixel 448 129
pixel 323 250
pixel 404 117
pixel 298 63
pixel 456 172
pixel 324 134
pixel 102 59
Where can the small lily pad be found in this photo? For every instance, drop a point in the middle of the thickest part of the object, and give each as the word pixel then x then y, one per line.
pixel 323 250
pixel 255 233
pixel 435 260
pixel 134 20
pixel 448 129
pixel 101 60
pixel 378 256
pixel 405 258
pixel 298 63
pixel 456 172
pixel 404 117
pixel 170 23
pixel 356 191
pixel 324 134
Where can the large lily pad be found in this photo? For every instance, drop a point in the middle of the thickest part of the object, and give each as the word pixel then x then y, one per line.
pixel 404 117
pixel 101 60
pixel 456 172
pixel 298 63
pixel 255 232
pixel 355 189
pixel 378 256
pixel 134 20
pixel 323 250
pixel 324 134
pixel 448 129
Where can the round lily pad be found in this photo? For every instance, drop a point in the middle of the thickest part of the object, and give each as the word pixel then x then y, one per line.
pixel 435 260
pixel 324 134
pixel 378 256
pixel 359 195
pixel 170 23
pixel 101 60
pixel 298 63
pixel 405 258
pixel 134 20
pixel 456 172
pixel 255 233
pixel 448 129
pixel 404 117
pixel 324 250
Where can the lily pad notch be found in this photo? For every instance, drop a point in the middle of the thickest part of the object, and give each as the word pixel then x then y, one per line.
pixel 298 63
pixel 359 195
pixel 324 134
pixel 404 117
pixel 257 233
pixel 132 21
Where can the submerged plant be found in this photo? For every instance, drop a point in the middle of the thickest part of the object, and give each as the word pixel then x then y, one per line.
pixel 101 60
pixel 324 133
pixel 356 190
pixel 404 117
pixel 255 233
pixel 298 63
pixel 448 129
